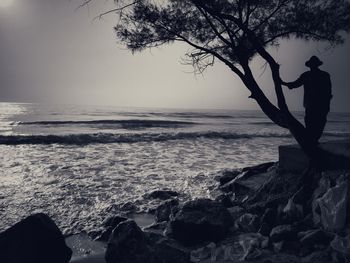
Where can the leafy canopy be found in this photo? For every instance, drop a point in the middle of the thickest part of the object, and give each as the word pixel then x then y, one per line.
pixel 230 30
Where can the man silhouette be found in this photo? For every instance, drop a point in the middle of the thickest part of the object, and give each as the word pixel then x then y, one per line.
pixel 317 97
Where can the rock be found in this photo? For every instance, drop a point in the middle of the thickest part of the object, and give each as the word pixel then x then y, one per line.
pixel 113 221
pixel 260 168
pixel 333 206
pixel 277 247
pixel 204 254
pixel 281 258
pixel 225 200
pixel 292 211
pixel 129 244
pixel 199 221
pixel 128 207
pixel 235 212
pixel 34 239
pixel 164 210
pixel 162 194
pixel 252 243
pixel 318 257
pixel 341 244
pixel 227 176
pixel 248 181
pixel 267 221
pixel 168 251
pixel 157 228
pixel 313 238
pixel 109 224
pixel 282 233
pixel 233 186
pixel 247 223
pixel 305 224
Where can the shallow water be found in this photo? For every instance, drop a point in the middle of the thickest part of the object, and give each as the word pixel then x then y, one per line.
pixel 81 180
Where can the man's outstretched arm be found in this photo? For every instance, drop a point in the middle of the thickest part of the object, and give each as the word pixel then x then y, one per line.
pixel 294 84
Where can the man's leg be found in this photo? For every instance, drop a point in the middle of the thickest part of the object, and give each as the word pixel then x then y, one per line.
pixel 319 127
pixel 315 122
pixel 311 125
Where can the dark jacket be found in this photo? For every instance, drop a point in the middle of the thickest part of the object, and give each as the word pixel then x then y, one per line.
pixel 317 88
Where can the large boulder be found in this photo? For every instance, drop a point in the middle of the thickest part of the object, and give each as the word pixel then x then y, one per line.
pixel 315 238
pixel 199 221
pixel 129 244
pixel 165 209
pixel 227 176
pixel 168 250
pixel 109 224
pixel 331 204
pixel 249 181
pixel 36 239
pixel 283 233
pixel 247 223
pixel 260 168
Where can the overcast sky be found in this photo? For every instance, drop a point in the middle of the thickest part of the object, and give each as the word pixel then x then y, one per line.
pixel 51 53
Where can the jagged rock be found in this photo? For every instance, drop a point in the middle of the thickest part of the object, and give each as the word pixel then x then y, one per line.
pixel 167 250
pixel 233 186
pixel 330 209
pixel 199 221
pixel 109 224
pixel 157 228
pixel 113 221
pixel 305 224
pixel 252 243
pixel 227 176
pixel 247 182
pixel 235 212
pixel 225 200
pixel 129 244
pixel 341 244
pixel 282 233
pixel 164 210
pixel 204 254
pixel 267 221
pixel 247 223
pixel 278 246
pixel 260 168
pixel 34 239
pixel 293 211
pixel 318 257
pixel 314 238
pixel 127 207
pixel 281 258
pixel 162 194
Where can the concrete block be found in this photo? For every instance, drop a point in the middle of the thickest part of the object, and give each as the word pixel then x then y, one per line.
pixel 292 158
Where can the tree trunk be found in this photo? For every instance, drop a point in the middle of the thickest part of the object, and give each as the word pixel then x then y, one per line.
pixel 283 117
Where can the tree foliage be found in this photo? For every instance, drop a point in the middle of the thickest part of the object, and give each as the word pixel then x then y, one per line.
pixel 219 27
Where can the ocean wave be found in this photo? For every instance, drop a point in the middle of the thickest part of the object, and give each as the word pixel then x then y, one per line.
pixel 129 123
pixel 82 139
pixel 105 138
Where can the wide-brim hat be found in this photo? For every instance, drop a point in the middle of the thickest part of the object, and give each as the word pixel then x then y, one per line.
pixel 313 62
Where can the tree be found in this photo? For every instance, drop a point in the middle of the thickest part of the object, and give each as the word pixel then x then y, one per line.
pixel 234 32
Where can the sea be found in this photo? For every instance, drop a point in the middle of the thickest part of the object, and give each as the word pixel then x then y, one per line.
pixel 80 164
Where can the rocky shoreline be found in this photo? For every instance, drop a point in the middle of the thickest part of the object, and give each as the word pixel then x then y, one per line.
pixel 257 215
